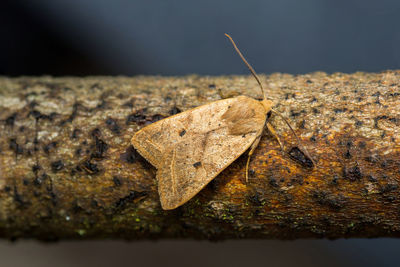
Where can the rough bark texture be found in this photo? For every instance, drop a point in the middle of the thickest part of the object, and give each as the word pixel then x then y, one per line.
pixel 67 169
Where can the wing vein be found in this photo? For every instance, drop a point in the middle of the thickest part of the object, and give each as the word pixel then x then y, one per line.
pixel 173 175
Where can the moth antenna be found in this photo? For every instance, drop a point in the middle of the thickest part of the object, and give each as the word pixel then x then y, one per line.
pixel 293 132
pixel 247 64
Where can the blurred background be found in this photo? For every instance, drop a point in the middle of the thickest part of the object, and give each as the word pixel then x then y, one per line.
pixel 159 37
pixel 121 37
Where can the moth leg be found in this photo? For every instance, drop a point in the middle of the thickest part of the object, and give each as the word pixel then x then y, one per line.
pixel 274 134
pixel 253 147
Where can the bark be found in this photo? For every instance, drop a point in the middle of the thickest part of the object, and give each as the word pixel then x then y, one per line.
pixel 68 171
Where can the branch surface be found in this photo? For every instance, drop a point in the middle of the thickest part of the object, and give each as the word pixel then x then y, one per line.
pixel 68 171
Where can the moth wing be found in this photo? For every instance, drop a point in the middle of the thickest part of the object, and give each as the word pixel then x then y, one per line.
pixel 155 139
pixel 192 163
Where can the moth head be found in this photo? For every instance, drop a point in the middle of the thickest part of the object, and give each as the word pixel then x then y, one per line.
pixel 267 104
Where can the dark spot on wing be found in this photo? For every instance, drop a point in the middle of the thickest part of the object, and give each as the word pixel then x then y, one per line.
pixel 197 164
pixel 182 133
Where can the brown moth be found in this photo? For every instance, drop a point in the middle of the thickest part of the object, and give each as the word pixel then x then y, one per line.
pixel 191 148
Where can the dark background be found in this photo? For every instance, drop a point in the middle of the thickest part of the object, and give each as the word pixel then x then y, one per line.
pixel 171 37
pixel 167 37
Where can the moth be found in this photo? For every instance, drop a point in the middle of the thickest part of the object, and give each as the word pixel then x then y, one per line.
pixel 191 148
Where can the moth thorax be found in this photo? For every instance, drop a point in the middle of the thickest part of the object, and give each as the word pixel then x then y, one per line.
pixel 267 104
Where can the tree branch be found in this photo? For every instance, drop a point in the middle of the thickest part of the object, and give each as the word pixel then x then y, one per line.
pixel 67 169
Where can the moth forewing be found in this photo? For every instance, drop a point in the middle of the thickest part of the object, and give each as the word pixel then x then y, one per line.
pixel 188 162
pixel 153 140
pixel 192 163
